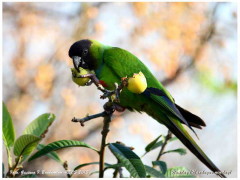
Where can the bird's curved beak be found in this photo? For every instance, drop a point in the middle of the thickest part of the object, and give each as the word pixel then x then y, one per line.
pixel 76 62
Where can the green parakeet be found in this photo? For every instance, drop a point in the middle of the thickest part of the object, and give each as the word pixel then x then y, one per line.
pixel 110 64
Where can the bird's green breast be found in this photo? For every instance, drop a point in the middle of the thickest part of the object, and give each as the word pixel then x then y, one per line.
pixel 105 74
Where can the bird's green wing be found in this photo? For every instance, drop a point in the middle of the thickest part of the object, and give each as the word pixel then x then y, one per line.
pixel 166 105
pixel 123 64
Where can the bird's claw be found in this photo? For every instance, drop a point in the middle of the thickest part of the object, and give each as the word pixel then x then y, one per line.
pixel 107 93
pixel 75 75
pixel 116 98
pixel 113 95
pixel 89 83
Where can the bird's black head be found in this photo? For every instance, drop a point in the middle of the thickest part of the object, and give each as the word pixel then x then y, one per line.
pixel 80 54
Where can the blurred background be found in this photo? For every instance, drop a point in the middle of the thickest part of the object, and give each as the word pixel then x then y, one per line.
pixel 190 47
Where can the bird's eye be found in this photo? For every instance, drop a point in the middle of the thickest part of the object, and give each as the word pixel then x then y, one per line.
pixel 85 51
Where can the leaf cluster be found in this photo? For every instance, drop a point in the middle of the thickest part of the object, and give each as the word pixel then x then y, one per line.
pixel 24 145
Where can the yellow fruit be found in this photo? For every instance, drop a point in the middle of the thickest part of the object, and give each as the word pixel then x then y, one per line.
pixel 137 84
pixel 76 79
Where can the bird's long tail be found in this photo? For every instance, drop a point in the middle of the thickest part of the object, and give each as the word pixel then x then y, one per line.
pixel 172 115
pixel 178 130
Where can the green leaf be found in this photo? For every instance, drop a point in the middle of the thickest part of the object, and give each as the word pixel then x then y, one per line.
pixel 52 155
pixel 60 145
pixel 155 146
pixel 8 131
pixel 85 164
pixel 39 126
pixel 153 172
pixel 172 139
pixel 151 144
pixel 162 165
pixel 92 163
pixel 158 144
pixel 128 159
pixel 113 166
pixel 25 144
pixel 180 151
pixel 94 172
pixel 178 172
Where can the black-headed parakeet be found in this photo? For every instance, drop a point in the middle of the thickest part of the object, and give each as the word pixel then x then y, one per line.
pixel 110 64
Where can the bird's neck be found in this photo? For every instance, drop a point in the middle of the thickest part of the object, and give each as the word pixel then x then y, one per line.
pixel 97 51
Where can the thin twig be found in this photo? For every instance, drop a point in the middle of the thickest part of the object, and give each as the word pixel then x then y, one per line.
pixel 9 158
pixel 118 170
pixel 169 135
pixel 65 166
pixel 115 173
pixel 12 171
pixel 88 118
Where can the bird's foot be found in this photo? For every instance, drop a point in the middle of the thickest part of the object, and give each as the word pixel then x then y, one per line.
pixel 89 83
pixel 119 108
pixel 107 93
pixel 113 95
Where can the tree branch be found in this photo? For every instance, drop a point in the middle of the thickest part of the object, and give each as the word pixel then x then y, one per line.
pixel 109 109
pixel 106 124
